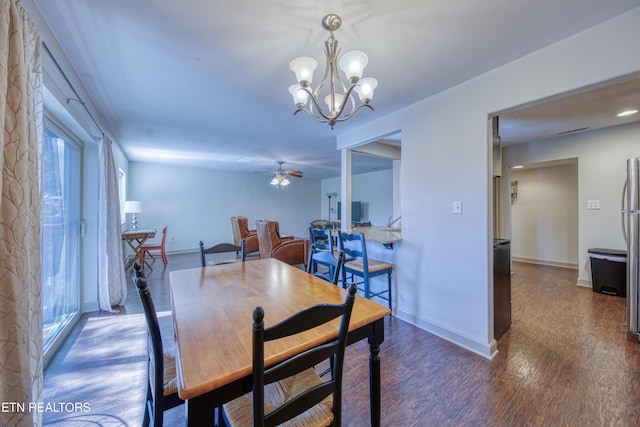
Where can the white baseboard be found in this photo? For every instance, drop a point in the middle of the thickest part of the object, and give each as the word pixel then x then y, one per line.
pixel 183 251
pixel 89 306
pixel 585 283
pixel 545 262
pixel 487 350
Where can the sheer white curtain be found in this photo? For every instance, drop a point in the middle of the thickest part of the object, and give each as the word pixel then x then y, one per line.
pixel 112 282
pixel 20 203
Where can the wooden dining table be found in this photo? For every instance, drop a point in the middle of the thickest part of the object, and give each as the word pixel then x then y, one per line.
pixel 212 308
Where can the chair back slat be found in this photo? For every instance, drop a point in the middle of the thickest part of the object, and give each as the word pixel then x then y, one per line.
pixel 301 362
pixel 321 238
pixel 309 318
pixel 354 247
pixel 221 248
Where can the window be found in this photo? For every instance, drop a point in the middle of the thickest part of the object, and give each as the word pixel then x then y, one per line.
pixel 60 238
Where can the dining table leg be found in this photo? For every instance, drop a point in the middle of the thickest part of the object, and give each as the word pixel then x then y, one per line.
pixel 200 411
pixel 374 371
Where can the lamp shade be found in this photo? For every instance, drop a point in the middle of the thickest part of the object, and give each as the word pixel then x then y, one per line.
pixel 304 68
pixel 299 95
pixel 365 89
pixel 133 206
pixel 353 63
pixel 338 102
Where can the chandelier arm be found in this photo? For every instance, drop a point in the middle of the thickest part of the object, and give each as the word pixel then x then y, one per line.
pixel 345 99
pixel 321 119
pixel 330 57
pixel 314 101
pixel 352 112
pixel 327 71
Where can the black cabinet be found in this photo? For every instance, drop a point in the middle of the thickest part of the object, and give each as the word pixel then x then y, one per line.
pixel 501 287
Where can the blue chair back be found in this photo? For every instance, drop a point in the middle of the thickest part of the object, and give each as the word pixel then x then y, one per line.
pixel 321 238
pixel 353 246
pixel 327 259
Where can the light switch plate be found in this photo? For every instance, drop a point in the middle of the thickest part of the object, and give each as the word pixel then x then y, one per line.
pixel 593 204
pixel 457 207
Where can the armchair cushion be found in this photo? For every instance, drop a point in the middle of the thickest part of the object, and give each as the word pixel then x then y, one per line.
pixel 291 251
pixel 286 249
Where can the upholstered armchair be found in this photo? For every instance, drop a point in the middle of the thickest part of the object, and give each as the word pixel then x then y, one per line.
pixel 284 248
pixel 240 227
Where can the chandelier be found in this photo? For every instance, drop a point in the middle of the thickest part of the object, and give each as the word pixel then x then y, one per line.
pixel 336 94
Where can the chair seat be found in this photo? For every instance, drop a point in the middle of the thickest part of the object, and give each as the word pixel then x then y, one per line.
pixel 170 382
pixel 374 265
pixel 239 411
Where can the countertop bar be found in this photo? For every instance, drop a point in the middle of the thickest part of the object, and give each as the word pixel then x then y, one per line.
pixel 379 234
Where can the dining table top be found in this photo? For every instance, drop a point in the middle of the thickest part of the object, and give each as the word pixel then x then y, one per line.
pixel 138 234
pixel 212 314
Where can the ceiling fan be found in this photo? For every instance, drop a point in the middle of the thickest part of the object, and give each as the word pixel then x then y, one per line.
pixel 280 176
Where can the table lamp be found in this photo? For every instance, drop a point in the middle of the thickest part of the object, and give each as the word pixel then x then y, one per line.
pixel 133 207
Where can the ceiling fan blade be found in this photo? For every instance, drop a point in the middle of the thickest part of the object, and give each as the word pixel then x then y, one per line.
pixel 296 174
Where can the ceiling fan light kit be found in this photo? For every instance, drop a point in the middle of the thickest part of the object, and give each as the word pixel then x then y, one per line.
pixel 336 94
pixel 280 176
pixel 280 180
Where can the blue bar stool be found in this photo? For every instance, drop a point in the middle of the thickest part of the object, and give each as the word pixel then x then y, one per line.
pixel 358 264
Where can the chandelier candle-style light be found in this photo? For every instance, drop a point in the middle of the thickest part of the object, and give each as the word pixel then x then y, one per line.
pixel 336 94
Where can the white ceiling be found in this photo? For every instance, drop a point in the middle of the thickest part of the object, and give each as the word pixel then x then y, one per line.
pixel 204 83
pixel 587 109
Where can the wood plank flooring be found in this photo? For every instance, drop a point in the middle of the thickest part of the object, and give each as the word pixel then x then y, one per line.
pixel 566 361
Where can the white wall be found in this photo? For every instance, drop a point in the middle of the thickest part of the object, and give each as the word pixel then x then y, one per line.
pixel 373 189
pixel 197 204
pixel 444 265
pixel 544 216
pixel 602 158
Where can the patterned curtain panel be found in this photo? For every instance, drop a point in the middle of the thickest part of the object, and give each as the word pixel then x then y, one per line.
pixel 112 282
pixel 20 202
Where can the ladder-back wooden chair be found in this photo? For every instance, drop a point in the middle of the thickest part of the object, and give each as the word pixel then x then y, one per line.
pixel 292 392
pixel 162 383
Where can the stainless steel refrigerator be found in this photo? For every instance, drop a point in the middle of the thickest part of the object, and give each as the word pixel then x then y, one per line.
pixel 631 231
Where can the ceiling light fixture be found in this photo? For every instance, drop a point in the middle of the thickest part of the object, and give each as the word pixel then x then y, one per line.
pixel 627 113
pixel 279 179
pixel 336 94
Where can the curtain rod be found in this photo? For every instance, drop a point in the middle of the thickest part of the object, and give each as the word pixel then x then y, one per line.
pixel 79 100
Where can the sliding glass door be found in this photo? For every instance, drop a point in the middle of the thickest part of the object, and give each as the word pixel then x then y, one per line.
pixel 60 237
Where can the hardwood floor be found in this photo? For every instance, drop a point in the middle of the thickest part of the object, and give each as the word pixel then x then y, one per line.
pixel 566 361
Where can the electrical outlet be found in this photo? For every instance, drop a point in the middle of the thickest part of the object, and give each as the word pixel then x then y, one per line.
pixel 457 207
pixel 593 204
pixel 173 238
